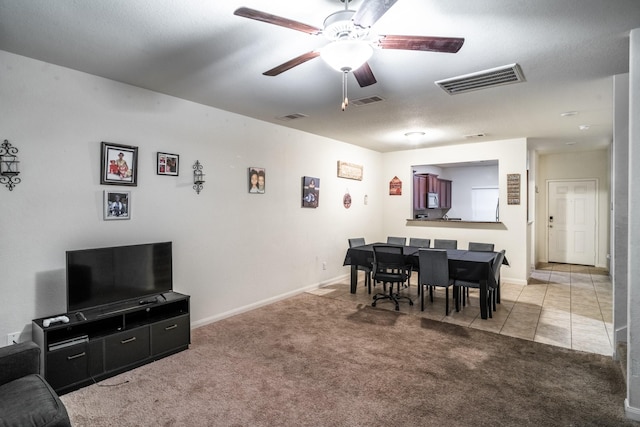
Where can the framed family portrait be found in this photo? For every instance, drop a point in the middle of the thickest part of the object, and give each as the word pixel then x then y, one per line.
pixel 118 164
pixel 117 205
pixel 257 180
pixel 167 164
pixel 310 192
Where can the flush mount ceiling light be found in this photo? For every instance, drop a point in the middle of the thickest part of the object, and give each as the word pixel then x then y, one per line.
pixel 584 127
pixel 414 137
pixel 569 114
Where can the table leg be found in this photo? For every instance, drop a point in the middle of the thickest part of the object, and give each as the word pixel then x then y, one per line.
pixel 483 299
pixel 354 278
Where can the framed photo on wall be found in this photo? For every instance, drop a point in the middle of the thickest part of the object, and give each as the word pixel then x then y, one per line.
pixel 257 180
pixel 118 164
pixel 167 164
pixel 117 205
pixel 310 192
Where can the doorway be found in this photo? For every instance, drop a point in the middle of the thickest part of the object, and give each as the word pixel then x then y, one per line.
pixel 571 221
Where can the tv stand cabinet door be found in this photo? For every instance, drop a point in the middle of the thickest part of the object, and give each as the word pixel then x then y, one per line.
pixel 170 334
pixel 67 366
pixel 126 348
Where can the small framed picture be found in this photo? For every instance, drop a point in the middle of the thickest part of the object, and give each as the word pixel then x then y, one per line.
pixel 118 164
pixel 117 205
pixel 257 179
pixel 168 164
pixel 310 192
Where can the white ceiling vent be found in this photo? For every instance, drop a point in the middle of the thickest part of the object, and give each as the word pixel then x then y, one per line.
pixel 292 116
pixel 499 76
pixel 366 101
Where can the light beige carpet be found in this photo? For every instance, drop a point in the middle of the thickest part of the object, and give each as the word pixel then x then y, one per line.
pixel 316 361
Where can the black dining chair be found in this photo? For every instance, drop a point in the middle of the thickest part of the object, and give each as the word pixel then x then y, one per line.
pixel 476 247
pixel 355 242
pixel 445 244
pixel 492 285
pixel 419 242
pixel 434 271
pixel 396 240
pixel 497 266
pixel 481 247
pixel 389 266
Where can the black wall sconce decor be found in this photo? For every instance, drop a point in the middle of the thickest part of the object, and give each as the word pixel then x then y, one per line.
pixel 9 165
pixel 198 176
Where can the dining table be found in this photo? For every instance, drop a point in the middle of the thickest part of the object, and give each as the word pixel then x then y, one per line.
pixel 474 266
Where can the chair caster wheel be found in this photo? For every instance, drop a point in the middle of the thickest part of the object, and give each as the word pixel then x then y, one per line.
pixel 397 308
pixel 373 304
pixel 410 302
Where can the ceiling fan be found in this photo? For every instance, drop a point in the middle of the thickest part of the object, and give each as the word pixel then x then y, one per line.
pixel 351 41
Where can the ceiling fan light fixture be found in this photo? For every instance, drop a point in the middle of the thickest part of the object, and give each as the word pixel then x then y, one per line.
pixel 346 55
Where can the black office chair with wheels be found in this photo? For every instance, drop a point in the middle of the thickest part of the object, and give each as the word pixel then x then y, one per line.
pixel 434 271
pixel 359 241
pixel 389 266
pixel 419 242
pixel 445 244
pixel 396 240
pixel 481 247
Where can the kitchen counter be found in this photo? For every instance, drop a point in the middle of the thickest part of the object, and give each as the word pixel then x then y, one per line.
pixel 439 222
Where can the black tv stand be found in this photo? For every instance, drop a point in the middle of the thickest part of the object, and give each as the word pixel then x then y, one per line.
pixel 111 340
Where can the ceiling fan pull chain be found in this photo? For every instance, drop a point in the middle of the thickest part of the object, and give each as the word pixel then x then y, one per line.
pixel 345 100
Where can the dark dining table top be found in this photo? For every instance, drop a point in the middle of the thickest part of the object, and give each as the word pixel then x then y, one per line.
pixel 363 255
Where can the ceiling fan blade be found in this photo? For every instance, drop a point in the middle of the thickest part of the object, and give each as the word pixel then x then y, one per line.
pixel 370 11
pixel 364 75
pixel 276 20
pixel 292 63
pixel 432 44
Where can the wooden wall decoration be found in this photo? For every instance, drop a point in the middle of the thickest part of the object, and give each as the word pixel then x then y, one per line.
pixel 349 171
pixel 395 187
pixel 513 188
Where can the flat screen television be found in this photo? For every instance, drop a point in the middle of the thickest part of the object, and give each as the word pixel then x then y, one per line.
pixel 104 276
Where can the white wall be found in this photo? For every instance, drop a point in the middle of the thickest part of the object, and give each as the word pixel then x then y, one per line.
pixel 510 234
pixel 580 165
pixel 231 249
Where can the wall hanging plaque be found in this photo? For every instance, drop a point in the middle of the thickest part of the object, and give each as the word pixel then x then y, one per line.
pixel 349 170
pixel 513 188
pixel 395 187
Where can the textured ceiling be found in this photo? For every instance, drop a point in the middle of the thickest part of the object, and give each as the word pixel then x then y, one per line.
pixel 200 51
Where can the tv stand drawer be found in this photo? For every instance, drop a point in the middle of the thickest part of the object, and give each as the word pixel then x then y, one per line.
pixel 71 365
pixel 170 334
pixel 127 347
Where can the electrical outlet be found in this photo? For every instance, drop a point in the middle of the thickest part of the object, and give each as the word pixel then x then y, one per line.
pixel 13 338
pixel 324 265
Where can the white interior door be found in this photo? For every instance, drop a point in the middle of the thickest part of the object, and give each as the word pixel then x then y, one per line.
pixel 572 221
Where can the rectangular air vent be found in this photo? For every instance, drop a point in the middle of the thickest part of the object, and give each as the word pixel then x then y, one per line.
pixel 499 76
pixel 292 116
pixel 366 101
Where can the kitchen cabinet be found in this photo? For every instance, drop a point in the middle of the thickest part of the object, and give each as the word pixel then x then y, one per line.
pixel 444 192
pixel 423 184
pixel 419 192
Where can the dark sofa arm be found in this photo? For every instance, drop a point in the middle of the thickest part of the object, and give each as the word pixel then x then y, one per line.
pixel 18 360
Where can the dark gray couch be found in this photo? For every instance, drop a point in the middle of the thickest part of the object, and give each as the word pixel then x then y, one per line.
pixel 26 399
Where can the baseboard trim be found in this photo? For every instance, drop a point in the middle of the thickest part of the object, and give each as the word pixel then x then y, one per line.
pixel 631 412
pixel 258 304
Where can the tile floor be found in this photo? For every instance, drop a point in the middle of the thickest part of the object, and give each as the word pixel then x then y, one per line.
pixel 563 305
